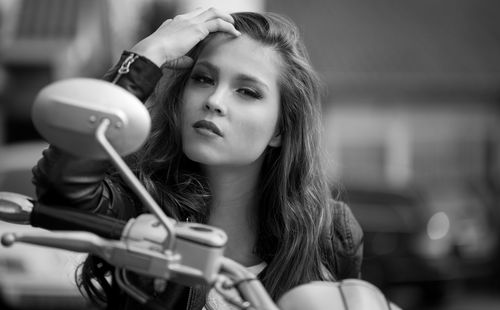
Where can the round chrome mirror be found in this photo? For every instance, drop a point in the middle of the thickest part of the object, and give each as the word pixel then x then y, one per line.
pixel 67 113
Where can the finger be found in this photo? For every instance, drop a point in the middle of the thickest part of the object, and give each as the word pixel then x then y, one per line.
pixel 192 13
pixel 182 62
pixel 218 24
pixel 168 21
pixel 214 13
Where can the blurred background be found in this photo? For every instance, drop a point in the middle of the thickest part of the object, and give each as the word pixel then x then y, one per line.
pixel 412 130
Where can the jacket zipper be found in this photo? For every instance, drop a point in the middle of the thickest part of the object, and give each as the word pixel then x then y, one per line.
pixel 125 67
pixel 189 301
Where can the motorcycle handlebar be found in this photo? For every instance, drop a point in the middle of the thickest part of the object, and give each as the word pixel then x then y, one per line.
pixel 198 257
pixel 61 218
pixel 20 209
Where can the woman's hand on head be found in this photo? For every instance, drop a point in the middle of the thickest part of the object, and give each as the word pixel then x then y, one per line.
pixel 175 37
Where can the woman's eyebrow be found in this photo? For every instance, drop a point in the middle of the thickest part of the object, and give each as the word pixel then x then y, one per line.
pixel 240 77
pixel 252 79
pixel 207 65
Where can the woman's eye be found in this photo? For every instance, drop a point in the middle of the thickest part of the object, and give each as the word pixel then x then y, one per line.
pixel 250 93
pixel 202 79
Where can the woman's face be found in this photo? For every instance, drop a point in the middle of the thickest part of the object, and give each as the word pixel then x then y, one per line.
pixel 231 102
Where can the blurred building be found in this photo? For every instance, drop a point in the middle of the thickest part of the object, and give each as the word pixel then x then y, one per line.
pixel 412 87
pixel 47 40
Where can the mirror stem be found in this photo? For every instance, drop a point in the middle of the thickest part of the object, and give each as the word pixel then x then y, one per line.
pixel 134 183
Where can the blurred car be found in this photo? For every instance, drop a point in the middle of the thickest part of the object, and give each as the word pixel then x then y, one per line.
pixel 473 226
pixel 32 277
pixel 424 238
pixel 398 249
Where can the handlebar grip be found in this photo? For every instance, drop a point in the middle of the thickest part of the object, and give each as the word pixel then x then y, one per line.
pixel 63 218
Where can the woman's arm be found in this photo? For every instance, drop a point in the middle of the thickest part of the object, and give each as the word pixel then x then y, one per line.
pixel 63 179
pixel 135 73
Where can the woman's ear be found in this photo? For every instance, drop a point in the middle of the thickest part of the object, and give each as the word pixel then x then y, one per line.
pixel 275 140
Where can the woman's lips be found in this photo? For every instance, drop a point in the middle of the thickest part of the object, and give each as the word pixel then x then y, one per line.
pixel 208 125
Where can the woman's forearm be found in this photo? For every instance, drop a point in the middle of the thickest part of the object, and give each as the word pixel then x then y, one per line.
pixel 67 180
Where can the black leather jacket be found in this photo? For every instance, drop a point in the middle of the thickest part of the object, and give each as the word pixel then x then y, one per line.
pixel 63 179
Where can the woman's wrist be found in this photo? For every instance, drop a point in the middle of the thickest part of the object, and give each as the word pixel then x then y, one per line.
pixel 149 51
pixel 135 73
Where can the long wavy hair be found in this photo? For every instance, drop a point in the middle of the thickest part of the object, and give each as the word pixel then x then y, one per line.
pixel 294 220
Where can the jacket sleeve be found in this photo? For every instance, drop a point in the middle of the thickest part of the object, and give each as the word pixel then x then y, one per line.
pixel 135 73
pixel 63 179
pixel 348 242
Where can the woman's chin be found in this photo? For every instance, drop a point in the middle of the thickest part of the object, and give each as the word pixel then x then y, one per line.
pixel 202 155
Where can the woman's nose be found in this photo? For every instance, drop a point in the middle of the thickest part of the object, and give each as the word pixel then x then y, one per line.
pixel 215 102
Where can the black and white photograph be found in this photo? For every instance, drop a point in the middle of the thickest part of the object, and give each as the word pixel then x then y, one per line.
pixel 249 154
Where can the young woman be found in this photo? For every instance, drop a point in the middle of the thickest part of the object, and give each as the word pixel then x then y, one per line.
pixel 234 143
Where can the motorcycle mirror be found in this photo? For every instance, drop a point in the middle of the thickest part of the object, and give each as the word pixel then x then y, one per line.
pixel 99 120
pixel 15 208
pixel 66 113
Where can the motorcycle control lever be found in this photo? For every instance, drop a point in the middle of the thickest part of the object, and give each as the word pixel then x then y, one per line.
pixel 141 246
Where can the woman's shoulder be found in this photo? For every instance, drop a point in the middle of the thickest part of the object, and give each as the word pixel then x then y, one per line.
pixel 347 233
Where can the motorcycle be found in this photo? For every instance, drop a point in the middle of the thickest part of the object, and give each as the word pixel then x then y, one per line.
pixel 100 120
